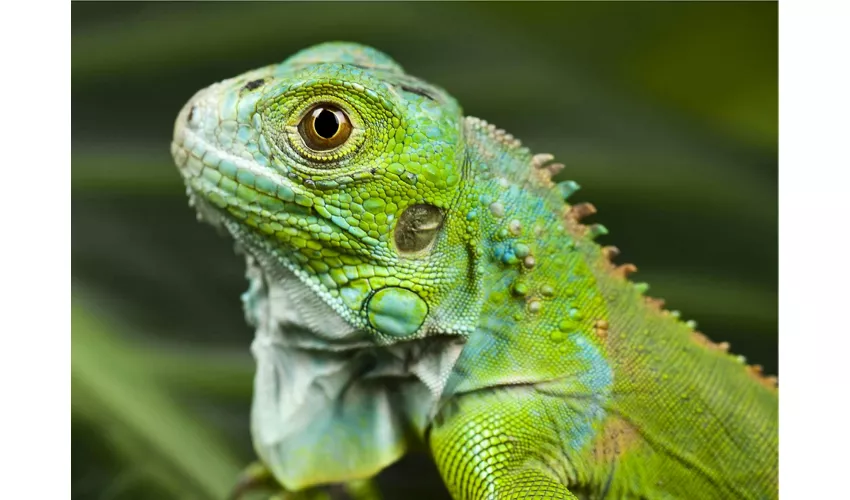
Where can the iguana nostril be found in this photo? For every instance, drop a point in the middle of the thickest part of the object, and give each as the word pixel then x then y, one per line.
pixel 253 84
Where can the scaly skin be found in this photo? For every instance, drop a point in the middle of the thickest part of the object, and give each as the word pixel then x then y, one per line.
pixel 424 280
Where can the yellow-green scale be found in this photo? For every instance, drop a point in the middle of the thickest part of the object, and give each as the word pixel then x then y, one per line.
pixel 534 370
pixel 570 354
pixel 680 409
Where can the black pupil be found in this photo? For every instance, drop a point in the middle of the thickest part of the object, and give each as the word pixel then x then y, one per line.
pixel 326 124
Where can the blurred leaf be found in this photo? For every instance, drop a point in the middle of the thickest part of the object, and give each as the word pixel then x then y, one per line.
pixel 142 170
pixel 226 374
pixel 712 296
pixel 745 97
pixel 114 386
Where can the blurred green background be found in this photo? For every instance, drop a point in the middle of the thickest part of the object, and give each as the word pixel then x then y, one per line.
pixel 665 113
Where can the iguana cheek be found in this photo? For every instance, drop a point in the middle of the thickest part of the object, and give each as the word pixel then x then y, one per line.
pixel 396 312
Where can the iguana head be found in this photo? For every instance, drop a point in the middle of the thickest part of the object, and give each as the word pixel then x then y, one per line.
pixel 347 172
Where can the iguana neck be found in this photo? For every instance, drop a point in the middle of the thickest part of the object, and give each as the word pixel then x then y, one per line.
pixel 548 287
pixel 539 293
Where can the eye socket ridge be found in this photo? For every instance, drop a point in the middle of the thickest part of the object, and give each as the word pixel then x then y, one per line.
pixel 324 127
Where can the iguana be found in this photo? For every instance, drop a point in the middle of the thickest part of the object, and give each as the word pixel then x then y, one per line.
pixel 417 277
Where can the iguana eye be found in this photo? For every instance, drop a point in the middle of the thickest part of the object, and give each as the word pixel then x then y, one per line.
pixel 324 127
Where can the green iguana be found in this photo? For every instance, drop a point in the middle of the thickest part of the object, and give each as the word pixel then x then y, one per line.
pixel 417 277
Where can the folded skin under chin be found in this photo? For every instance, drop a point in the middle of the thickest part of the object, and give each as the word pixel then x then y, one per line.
pixel 322 414
pixel 316 420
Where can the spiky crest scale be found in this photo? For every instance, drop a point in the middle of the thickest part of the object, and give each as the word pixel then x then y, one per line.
pixel 541 170
pixel 573 216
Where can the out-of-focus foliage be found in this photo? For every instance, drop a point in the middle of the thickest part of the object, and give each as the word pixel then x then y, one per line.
pixel 666 114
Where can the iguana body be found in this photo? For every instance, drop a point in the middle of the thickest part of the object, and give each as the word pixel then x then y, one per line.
pixel 416 276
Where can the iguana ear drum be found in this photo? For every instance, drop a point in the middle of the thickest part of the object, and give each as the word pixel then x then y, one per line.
pixel 417 228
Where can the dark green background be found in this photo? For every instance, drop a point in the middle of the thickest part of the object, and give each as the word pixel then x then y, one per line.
pixel 665 113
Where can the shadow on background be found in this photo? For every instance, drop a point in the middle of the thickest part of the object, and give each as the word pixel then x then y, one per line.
pixel 665 113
